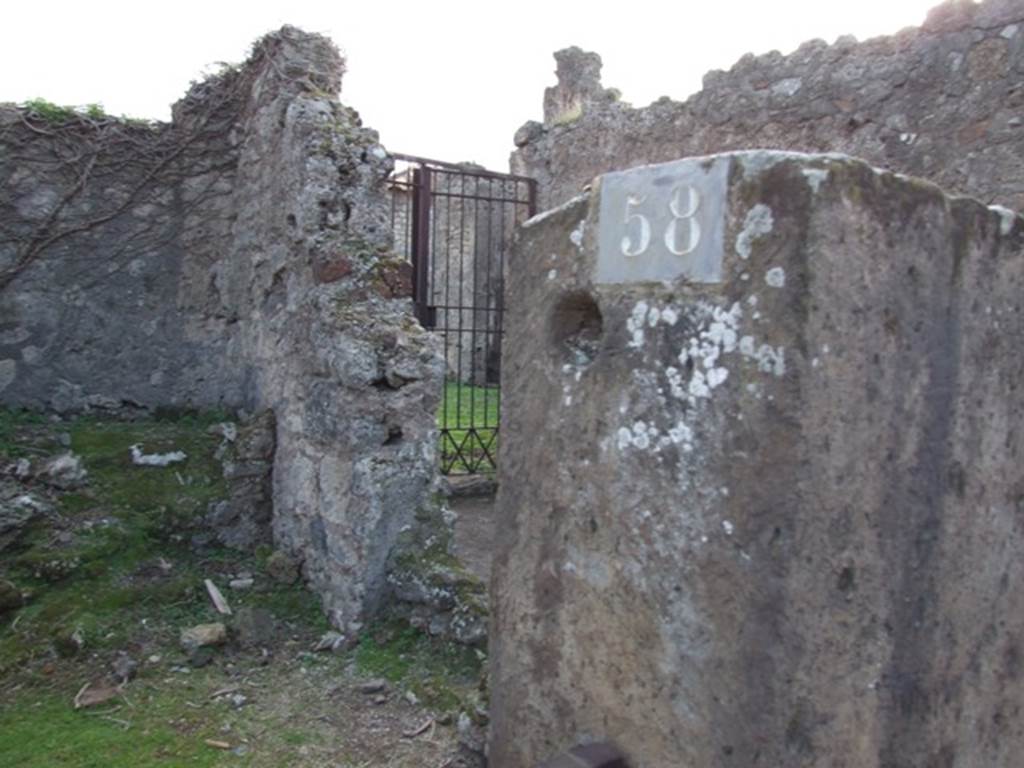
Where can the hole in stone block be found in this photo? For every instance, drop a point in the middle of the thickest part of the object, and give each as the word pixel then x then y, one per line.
pixel 394 435
pixel 577 328
pixel 847 580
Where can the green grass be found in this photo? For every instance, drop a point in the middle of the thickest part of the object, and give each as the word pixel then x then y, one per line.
pixel 43 731
pixel 114 595
pixel 465 406
pixel 441 673
pixel 12 424
pixel 88 582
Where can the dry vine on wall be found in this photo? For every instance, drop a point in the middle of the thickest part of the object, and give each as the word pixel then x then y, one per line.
pixel 93 191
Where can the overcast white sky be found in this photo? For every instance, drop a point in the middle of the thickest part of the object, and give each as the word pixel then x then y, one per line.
pixel 441 78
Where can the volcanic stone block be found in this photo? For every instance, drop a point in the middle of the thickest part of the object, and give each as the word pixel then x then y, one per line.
pixel 761 498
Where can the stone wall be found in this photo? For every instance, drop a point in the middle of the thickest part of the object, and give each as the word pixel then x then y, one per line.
pixel 942 102
pixel 100 303
pixel 760 497
pixel 239 256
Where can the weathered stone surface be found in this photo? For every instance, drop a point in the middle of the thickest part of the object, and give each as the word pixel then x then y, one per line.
pixel 774 520
pixel 282 568
pixel 243 520
pixel 579 86
pixel 935 102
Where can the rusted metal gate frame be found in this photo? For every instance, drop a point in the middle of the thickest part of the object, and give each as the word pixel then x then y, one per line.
pixel 467 447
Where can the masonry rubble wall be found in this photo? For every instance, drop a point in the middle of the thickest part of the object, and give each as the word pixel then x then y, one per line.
pixel 942 102
pixel 239 256
pixel 774 509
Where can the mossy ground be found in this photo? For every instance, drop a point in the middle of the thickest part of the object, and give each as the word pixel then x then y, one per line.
pixel 114 567
pixel 443 675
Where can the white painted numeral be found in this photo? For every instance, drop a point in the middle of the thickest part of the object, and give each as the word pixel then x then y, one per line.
pixel 644 240
pixel 679 213
pixel 682 205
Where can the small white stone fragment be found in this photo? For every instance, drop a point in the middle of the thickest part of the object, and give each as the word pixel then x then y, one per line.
pixel 669 315
pixel 1009 32
pixel 727 527
pixel 155 459
pixel 552 274
pixel 775 277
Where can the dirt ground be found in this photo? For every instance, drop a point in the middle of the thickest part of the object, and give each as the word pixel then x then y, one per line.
pixel 474 533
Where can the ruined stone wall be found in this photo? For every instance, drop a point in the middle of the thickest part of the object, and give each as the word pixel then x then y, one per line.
pixel 242 258
pixel 103 228
pixel 941 102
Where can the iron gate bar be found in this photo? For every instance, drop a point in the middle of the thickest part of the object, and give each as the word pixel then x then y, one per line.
pixel 445 216
pixel 470 170
pixel 474 197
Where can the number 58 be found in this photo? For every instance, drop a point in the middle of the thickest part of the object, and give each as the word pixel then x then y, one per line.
pixel 682 206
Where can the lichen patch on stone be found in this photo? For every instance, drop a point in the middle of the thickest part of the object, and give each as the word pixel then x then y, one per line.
pixel 758 222
pixel 576 236
pixel 1007 219
pixel 815 177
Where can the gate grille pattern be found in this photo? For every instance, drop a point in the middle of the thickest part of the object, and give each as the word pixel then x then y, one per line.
pixel 454 224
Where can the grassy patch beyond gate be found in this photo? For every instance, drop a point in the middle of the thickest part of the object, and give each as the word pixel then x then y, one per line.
pixel 468 418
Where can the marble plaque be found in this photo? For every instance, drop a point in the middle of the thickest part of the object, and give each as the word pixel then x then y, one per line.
pixel 660 223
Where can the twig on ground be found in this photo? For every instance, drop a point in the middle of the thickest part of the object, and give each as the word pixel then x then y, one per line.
pixel 125 724
pixel 218 599
pixel 419 730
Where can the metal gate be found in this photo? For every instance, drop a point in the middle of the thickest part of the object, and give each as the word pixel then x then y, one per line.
pixel 454 224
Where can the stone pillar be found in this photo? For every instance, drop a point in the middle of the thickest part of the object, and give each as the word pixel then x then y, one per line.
pixel 761 499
